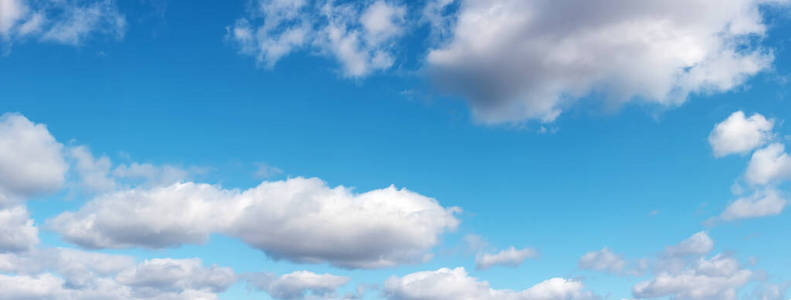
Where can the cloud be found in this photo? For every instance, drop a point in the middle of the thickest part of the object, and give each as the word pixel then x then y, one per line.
pixel 447 283
pixel 511 257
pixel 717 278
pixel 17 232
pixel 150 174
pixel 768 165
pixel 94 173
pixel 31 161
pixel 264 170
pixel 684 272
pixel 98 174
pixel 602 260
pixel 161 276
pixel 299 219
pixel 61 273
pixel 297 285
pixel 516 60
pixel 698 244
pixel 759 204
pixel 359 36
pixel 64 22
pixel 740 135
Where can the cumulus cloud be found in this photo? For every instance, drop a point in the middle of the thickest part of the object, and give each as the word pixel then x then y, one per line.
pixel 511 257
pixel 698 244
pixel 60 273
pixel 359 36
pixel 717 278
pixel 768 165
pixel 684 271
pixel 515 60
pixel 98 174
pixel 17 232
pixel 740 135
pixel 760 204
pixel 64 22
pixel 603 260
pixel 297 285
pixel 299 219
pixel 456 284
pixel 162 276
pixel 31 160
pixel 94 173
pixel 767 168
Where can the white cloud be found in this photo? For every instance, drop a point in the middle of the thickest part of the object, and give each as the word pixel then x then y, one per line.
pixel 698 244
pixel 515 60
pixel 717 278
pixel 740 135
pixel 768 165
pixel 73 274
pixel 64 22
pixel 508 257
pixel 298 285
pixel 94 173
pixel 359 36
pixel 31 161
pixel 99 174
pixel 17 232
pixel 603 260
pixel 298 219
pixel 760 204
pixel 684 272
pixel 456 284
pixel 161 276
pixel 10 13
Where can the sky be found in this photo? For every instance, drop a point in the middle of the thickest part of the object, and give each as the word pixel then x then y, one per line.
pixel 400 150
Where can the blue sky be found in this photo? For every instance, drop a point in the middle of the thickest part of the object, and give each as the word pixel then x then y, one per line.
pixel 623 153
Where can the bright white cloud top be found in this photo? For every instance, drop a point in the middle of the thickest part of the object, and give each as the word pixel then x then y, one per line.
pixel 300 219
pixel 740 135
pixel 457 284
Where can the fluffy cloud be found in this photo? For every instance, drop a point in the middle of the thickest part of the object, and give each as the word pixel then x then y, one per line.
pixel 514 60
pixel 31 161
pixel 456 284
pixel 17 232
pixel 64 22
pixel 73 274
pixel 298 219
pixel 717 278
pixel 297 285
pixel 359 36
pixel 99 175
pixel 162 276
pixel 602 260
pixel 93 172
pixel 768 165
pixel 698 244
pixel 738 134
pixel 684 272
pixel 760 204
pixel 508 257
